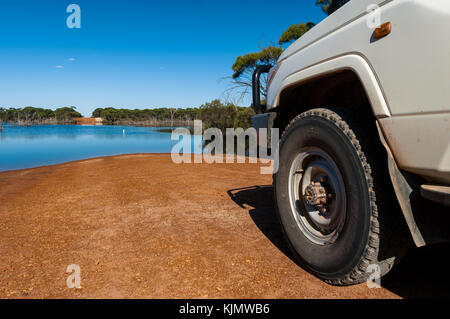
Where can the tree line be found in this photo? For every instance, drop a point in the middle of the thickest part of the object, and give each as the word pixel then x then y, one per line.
pixel 32 115
pixel 123 116
pixel 213 114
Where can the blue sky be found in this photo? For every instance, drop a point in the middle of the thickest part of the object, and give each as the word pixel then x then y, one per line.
pixel 135 53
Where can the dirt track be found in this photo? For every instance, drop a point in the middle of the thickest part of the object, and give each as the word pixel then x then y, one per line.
pixel 142 227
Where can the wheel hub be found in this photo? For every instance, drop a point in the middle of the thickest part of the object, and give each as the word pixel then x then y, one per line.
pixel 316 194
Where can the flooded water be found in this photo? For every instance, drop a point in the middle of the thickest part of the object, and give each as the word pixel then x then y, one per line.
pixel 27 147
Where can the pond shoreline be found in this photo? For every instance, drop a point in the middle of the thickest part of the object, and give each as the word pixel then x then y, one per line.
pixel 81 161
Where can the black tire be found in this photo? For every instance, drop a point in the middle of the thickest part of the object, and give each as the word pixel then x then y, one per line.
pixel 373 231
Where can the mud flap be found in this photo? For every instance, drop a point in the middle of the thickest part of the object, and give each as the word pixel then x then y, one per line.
pixel 403 192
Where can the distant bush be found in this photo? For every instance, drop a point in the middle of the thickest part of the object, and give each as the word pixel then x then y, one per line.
pixel 222 116
pixel 213 114
pixel 114 116
pixel 31 115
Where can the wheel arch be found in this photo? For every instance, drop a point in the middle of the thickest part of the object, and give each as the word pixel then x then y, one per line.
pixel 346 81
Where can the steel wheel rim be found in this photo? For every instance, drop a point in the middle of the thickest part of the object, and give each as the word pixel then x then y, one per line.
pixel 322 224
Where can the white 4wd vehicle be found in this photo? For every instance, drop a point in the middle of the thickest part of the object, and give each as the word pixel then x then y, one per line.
pixel 365 150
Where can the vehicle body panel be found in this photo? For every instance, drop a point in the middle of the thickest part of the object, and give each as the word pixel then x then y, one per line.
pixel 421 144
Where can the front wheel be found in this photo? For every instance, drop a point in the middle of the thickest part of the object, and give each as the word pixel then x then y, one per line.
pixel 328 201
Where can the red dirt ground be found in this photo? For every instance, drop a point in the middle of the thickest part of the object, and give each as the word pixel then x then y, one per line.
pixel 142 227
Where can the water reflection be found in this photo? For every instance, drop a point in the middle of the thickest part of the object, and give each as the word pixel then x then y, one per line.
pixel 26 147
